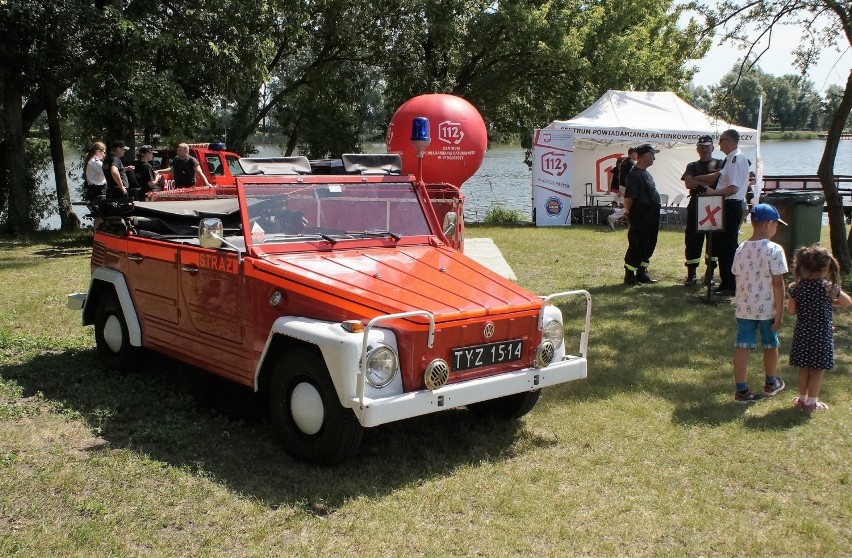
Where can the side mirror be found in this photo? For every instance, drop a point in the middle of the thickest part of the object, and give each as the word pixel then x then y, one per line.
pixel 449 226
pixel 210 232
pixel 211 235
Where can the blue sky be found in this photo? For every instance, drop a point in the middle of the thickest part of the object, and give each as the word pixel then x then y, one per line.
pixel 833 66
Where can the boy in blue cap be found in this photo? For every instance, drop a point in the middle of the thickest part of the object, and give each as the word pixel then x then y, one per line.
pixel 759 266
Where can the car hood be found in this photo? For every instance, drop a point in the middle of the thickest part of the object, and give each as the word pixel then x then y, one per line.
pixel 434 278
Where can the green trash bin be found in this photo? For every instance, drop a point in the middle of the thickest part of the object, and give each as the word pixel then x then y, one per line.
pixel 802 211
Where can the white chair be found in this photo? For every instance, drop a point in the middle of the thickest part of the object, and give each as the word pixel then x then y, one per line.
pixel 674 212
pixel 614 221
pixel 670 210
pixel 664 202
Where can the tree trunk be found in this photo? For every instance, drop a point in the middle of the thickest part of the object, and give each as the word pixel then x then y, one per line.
pixel 840 244
pixel 4 177
pixel 294 137
pixel 67 218
pixel 34 107
pixel 18 217
pixel 239 127
pixel 245 119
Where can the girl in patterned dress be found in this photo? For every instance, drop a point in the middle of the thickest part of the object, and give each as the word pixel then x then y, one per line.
pixel 815 290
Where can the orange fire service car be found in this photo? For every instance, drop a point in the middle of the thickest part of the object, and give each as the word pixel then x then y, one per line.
pixel 338 295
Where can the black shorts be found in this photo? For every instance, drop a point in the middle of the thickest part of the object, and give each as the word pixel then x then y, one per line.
pixel 95 192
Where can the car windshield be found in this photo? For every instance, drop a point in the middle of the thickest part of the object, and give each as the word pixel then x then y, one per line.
pixel 333 212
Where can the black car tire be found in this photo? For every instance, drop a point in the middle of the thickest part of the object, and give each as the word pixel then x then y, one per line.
pixel 112 338
pixel 508 407
pixel 306 411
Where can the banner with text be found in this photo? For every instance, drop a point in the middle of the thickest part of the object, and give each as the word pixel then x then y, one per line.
pixel 748 137
pixel 552 170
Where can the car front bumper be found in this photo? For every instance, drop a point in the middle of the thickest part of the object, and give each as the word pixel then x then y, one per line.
pixel 374 412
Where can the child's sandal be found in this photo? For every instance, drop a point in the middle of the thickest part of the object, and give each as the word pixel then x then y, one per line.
pixel 817 406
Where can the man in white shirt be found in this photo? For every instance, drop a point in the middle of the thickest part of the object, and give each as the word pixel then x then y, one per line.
pixel 733 184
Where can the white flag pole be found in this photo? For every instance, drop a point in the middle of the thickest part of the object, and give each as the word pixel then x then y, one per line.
pixel 758 163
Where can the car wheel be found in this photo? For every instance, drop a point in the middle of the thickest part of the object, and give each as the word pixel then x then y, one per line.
pixel 112 338
pixel 508 407
pixel 306 412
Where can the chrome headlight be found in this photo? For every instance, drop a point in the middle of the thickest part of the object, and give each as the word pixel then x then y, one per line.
pixel 554 332
pixel 382 364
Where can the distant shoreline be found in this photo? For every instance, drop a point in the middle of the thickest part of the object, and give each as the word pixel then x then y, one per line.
pixel 792 135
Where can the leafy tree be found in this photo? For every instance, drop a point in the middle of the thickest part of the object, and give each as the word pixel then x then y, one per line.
pixel 735 22
pixel 699 96
pixel 324 118
pixel 165 64
pixel 793 101
pixel 829 106
pixel 525 63
pixel 808 103
pixel 134 65
pixel 790 102
pixel 737 97
pixel 313 56
pixel 40 56
pixel 780 101
pixel 333 113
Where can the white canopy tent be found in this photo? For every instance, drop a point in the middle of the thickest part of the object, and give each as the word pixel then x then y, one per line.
pixel 572 158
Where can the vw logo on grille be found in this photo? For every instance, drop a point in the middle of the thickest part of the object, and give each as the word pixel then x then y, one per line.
pixel 488 330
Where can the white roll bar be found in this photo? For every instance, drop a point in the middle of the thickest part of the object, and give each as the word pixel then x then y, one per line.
pixel 362 367
pixel 584 337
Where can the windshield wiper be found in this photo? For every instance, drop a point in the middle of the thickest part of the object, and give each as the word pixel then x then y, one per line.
pixel 381 232
pixel 277 237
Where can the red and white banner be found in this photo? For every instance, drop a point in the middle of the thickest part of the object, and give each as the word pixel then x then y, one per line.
pixel 552 174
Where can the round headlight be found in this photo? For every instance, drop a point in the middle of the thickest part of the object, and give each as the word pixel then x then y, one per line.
pixel 554 332
pixel 381 366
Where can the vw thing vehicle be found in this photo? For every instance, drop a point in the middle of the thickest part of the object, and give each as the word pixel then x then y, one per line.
pixel 339 296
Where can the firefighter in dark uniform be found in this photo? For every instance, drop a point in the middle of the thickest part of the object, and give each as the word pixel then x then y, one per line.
pixel 642 202
pixel 693 239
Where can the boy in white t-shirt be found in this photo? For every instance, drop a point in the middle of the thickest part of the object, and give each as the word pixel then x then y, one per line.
pixel 759 265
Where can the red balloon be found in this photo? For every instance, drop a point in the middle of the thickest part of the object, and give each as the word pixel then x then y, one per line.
pixel 459 140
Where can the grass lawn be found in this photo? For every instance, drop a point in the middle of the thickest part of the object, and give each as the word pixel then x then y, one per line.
pixel 647 457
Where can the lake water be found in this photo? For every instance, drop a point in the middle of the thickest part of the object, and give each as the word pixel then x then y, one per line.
pixel 504 179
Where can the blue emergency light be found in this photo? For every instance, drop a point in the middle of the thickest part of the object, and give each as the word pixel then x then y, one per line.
pixel 420 135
